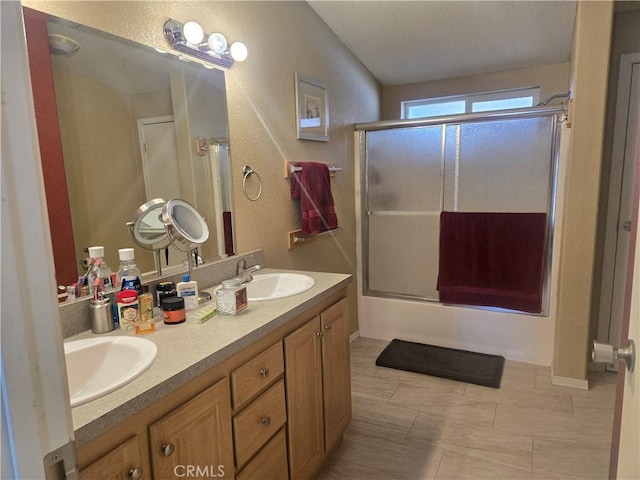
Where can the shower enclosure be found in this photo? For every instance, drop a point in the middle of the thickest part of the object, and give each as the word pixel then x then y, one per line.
pixel 411 171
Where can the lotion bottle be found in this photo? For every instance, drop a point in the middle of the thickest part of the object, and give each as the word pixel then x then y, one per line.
pixel 188 290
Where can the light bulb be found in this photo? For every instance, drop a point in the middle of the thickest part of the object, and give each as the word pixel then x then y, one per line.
pixel 238 51
pixel 193 32
pixel 217 43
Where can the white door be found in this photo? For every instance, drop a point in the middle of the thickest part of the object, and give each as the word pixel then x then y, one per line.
pixel 627 418
pixel 159 157
pixel 618 224
pixel 629 449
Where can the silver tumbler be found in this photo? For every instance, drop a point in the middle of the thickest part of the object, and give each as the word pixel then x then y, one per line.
pixel 100 315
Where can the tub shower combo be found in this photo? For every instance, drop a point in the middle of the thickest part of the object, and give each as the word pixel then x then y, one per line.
pixel 456 227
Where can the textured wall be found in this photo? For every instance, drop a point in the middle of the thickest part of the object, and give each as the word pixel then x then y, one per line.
pixel 551 79
pixel 282 38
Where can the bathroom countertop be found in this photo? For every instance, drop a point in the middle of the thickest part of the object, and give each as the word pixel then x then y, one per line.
pixel 187 350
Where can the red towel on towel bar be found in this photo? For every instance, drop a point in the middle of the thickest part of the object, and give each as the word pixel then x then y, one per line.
pixel 313 187
pixel 492 259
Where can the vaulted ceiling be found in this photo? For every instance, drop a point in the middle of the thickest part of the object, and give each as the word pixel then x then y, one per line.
pixel 413 41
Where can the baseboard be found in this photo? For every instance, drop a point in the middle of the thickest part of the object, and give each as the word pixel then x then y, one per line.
pixel 353 336
pixel 570 382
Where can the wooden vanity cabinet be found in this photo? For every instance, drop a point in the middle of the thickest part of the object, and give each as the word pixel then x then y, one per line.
pixel 197 434
pixel 257 390
pixel 274 410
pixel 125 462
pixel 318 386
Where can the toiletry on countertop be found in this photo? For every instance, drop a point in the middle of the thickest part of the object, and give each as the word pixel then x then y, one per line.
pixel 231 297
pixel 128 308
pixel 146 305
pixel 128 276
pixel 188 289
pixel 164 290
pixel 173 311
pixel 146 323
pixel 202 314
pixel 100 315
pixel 100 269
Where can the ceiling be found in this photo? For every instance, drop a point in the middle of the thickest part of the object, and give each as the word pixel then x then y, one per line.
pixel 414 41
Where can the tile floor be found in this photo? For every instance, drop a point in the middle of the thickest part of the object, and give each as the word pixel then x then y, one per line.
pixel 413 427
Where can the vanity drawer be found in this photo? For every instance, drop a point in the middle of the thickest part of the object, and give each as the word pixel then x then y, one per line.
pixel 256 374
pixel 258 422
pixel 271 462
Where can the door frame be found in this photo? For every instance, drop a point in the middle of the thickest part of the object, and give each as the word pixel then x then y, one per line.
pixel 35 390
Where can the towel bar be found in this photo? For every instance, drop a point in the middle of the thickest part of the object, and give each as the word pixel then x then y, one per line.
pixel 289 168
pixel 296 238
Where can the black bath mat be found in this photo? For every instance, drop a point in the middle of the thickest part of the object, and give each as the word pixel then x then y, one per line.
pixel 461 365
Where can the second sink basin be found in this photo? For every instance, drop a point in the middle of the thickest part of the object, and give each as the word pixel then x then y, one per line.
pixel 97 366
pixel 269 286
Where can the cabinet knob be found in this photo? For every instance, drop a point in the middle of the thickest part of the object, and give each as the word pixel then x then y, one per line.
pixel 266 421
pixel 327 327
pixel 264 373
pixel 319 334
pixel 135 473
pixel 168 449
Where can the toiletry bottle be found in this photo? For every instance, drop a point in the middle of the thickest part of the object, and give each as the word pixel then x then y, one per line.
pixel 188 289
pixel 100 268
pixel 128 276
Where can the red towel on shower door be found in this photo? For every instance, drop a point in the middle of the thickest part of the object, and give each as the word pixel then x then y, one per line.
pixel 313 187
pixel 492 259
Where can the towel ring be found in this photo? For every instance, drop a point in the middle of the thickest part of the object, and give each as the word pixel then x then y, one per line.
pixel 248 171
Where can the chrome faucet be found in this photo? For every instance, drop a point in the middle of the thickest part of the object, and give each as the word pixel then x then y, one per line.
pixel 244 272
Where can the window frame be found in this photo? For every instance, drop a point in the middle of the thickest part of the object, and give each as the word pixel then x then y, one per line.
pixel 470 99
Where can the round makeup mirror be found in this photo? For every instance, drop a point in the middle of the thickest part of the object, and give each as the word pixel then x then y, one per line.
pixel 187 228
pixel 147 229
pixel 184 224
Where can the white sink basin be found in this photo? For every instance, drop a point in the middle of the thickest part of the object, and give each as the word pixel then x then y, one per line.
pixel 97 366
pixel 269 286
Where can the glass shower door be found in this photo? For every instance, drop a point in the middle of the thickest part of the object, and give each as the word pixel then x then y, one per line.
pixel 404 184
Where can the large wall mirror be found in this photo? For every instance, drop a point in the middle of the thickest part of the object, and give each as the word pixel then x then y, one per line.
pixel 135 124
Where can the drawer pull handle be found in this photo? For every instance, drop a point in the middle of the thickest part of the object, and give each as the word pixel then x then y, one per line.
pixel 266 421
pixel 319 334
pixel 168 449
pixel 327 327
pixel 135 473
pixel 264 373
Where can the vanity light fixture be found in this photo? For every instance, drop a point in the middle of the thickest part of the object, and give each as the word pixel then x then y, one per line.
pixel 189 38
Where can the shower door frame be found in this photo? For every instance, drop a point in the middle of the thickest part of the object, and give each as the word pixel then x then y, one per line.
pixel 557 114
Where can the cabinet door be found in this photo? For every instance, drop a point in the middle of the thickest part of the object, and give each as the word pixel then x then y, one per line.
pixel 270 463
pixel 195 440
pixel 303 374
pixel 336 371
pixel 122 463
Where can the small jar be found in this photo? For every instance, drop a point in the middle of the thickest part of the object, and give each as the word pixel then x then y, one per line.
pixel 173 311
pixel 165 290
pixel 231 297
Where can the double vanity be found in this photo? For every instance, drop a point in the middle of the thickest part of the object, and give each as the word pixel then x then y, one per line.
pixel 264 394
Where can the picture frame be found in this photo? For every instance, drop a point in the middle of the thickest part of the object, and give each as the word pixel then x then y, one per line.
pixel 312 109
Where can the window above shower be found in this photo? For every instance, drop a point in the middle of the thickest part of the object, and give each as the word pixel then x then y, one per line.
pixel 479 102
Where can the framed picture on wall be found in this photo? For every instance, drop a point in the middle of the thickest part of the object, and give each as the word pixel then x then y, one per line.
pixel 312 109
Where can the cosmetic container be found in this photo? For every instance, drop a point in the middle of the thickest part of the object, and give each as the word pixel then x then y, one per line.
pixel 173 311
pixel 231 297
